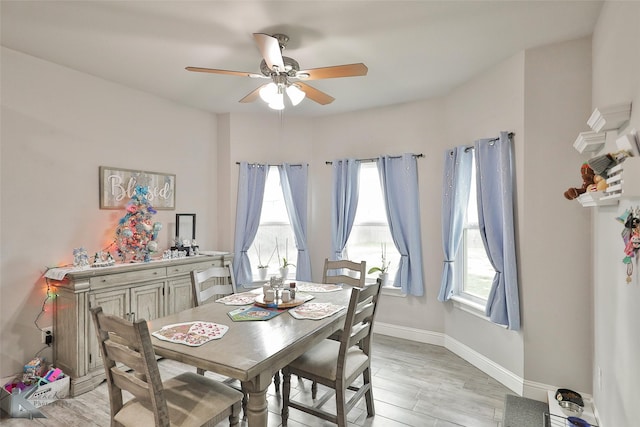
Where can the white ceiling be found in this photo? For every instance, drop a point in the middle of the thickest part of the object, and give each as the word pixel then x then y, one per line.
pixel 413 49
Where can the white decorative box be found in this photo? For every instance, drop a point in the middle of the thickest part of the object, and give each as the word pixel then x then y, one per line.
pixel 609 118
pixel 588 142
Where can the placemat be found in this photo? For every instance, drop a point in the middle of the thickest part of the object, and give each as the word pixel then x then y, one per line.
pixel 315 310
pixel 244 298
pixel 317 287
pixel 253 313
pixel 191 333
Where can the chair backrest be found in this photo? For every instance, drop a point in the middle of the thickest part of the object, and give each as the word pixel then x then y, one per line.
pixel 212 282
pixel 358 325
pixel 130 363
pixel 344 272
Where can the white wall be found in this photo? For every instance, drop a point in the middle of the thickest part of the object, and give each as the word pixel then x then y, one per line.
pixel 481 108
pixel 616 78
pixel 58 127
pixel 409 128
pixel 555 243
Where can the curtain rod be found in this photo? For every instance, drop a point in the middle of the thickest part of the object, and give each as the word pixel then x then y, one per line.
pixel 279 164
pixel 375 159
pixel 470 147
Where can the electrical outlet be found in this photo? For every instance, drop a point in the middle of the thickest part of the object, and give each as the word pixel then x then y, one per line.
pixel 47 332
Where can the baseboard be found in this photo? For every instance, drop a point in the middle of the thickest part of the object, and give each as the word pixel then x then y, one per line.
pixel 486 365
pixel 411 334
pixel 520 386
pixel 510 380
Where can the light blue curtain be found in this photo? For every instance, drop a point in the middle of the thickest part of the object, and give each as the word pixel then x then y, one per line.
pixel 455 197
pixel 495 182
pixel 251 181
pixel 293 180
pixel 344 202
pixel 399 180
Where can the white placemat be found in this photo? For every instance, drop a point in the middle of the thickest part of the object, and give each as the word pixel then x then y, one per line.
pixel 317 287
pixel 315 310
pixel 191 333
pixel 243 298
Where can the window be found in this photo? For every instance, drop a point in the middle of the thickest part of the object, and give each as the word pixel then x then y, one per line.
pixel 476 273
pixel 370 233
pixel 274 226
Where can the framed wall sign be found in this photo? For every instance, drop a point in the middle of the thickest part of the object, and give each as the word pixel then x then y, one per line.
pixel 117 186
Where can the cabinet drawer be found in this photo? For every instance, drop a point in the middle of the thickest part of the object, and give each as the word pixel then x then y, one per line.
pixel 126 278
pixel 188 268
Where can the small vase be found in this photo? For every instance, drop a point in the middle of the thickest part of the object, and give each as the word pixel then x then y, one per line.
pixel 262 273
pixel 284 272
pixel 384 278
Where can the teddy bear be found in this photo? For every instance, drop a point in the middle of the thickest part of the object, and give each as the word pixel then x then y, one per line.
pixel 599 184
pixel 587 180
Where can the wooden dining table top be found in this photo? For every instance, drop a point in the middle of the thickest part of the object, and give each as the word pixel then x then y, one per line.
pixel 251 351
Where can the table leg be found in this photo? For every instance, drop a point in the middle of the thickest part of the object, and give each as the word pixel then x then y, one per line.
pixel 257 413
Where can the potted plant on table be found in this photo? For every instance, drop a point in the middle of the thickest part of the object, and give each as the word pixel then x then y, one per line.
pixel 284 266
pixel 263 268
pixel 384 267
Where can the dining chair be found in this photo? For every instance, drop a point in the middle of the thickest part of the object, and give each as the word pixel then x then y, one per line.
pixel 130 365
pixel 208 285
pixel 344 272
pixel 338 364
pixel 212 282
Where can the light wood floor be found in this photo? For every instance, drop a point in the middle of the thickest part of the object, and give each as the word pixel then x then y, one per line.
pixel 414 384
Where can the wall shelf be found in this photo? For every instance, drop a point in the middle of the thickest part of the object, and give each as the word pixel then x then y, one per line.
pixel 589 142
pixel 610 118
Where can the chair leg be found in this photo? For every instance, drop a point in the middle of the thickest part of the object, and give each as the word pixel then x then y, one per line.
pixel 368 395
pixel 286 390
pixel 234 418
pixel 244 401
pixel 314 390
pixel 276 381
pixel 341 415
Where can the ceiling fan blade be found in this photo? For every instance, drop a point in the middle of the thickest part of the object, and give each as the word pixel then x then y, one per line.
pixel 253 95
pixel 315 94
pixel 231 73
pixel 349 70
pixel 270 51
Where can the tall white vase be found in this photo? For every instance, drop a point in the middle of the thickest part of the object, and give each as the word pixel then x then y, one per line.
pixel 284 272
pixel 384 278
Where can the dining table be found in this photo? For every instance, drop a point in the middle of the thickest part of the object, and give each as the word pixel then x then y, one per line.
pixel 253 351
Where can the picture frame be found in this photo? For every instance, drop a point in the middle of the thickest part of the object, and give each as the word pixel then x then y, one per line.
pixel 117 186
pixel 186 226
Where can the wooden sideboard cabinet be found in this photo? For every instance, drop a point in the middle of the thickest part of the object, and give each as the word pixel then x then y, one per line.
pixel 132 291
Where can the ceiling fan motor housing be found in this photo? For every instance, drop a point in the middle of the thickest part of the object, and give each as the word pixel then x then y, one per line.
pixel 291 67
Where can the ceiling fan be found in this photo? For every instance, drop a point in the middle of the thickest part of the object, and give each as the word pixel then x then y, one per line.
pixel 285 74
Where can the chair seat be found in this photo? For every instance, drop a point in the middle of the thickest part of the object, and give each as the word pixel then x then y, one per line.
pixel 322 361
pixel 190 399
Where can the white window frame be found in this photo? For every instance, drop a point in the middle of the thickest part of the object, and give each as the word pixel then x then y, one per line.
pixel 463 300
pixel 389 289
pixel 266 254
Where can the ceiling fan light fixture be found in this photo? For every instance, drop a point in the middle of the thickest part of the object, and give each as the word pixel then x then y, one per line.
pixel 269 92
pixel 295 94
pixel 277 102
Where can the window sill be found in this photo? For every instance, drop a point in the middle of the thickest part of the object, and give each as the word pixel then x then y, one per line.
pixel 393 291
pixel 469 306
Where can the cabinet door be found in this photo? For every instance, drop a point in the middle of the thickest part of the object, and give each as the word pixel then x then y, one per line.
pixel 147 301
pixel 112 302
pixel 180 295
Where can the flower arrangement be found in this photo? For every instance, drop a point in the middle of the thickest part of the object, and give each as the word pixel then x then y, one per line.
pixel 385 266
